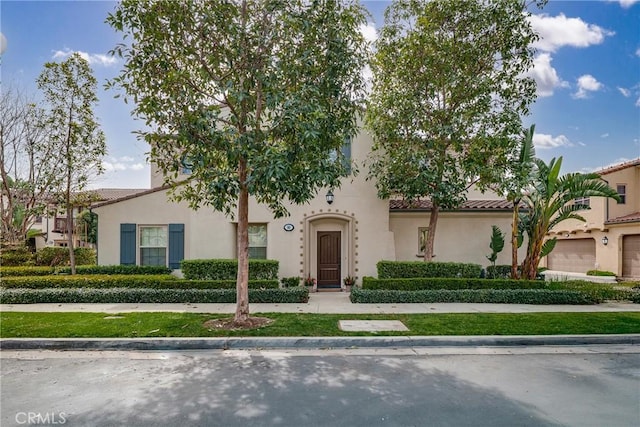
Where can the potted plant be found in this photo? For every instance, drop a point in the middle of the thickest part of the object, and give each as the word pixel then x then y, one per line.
pixel 310 282
pixel 349 281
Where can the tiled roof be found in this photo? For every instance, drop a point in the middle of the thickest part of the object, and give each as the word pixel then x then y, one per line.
pixel 131 195
pixel 621 166
pixel 634 217
pixel 469 205
pixel 105 194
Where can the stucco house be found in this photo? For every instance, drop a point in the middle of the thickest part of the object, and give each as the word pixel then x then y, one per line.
pixel 340 233
pixel 609 239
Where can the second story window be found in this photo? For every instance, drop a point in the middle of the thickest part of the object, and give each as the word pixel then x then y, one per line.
pixel 622 192
pixel 346 154
pixel 583 201
pixel 186 166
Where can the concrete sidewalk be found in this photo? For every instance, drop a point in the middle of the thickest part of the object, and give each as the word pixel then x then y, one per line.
pixel 324 302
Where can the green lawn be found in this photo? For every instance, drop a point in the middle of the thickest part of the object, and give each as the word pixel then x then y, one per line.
pixel 68 325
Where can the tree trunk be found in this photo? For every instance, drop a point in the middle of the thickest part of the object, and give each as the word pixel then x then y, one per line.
pixel 72 254
pixel 242 284
pixel 514 241
pixel 431 233
pixel 531 261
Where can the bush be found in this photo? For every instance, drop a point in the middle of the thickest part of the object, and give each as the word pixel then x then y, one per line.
pixel 500 272
pixel 116 269
pixel 56 256
pixel 417 284
pixel 599 291
pixel 408 269
pixel 601 273
pixel 127 281
pixel 495 296
pixel 227 269
pixel 16 256
pixel 290 282
pixel 137 295
pixel 25 271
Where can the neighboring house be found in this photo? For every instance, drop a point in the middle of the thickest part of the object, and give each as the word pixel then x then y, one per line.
pixel 53 225
pixel 327 239
pixel 609 240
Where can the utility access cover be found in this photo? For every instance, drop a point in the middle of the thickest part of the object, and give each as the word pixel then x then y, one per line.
pixel 371 325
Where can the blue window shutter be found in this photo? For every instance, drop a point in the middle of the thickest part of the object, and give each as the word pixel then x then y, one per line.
pixel 127 244
pixel 176 245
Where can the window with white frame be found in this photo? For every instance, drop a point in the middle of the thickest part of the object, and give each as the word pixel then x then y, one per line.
pixel 153 245
pixel 622 192
pixel 257 241
pixel 346 153
pixel 422 239
pixel 582 201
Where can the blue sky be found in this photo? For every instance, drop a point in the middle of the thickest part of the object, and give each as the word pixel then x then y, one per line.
pixel 587 68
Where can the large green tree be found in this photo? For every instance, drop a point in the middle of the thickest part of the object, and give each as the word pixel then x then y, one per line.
pixel 449 90
pixel 69 90
pixel 254 94
pixel 549 201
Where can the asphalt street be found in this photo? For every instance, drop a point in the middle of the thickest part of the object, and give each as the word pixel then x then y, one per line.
pixel 483 386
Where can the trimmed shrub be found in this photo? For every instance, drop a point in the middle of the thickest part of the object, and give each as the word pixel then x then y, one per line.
pixel 227 269
pixel 138 295
pixel 56 256
pixel 127 281
pixel 500 271
pixel 409 269
pixel 25 271
pixel 601 273
pixel 417 284
pixel 116 269
pixel 16 256
pixel 290 282
pixel 495 296
pixel 600 291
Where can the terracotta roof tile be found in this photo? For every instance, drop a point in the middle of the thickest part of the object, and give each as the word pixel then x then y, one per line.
pixel 634 217
pixel 621 166
pixel 469 205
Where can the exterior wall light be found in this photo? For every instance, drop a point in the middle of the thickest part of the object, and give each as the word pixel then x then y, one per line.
pixel 329 197
pixel 605 240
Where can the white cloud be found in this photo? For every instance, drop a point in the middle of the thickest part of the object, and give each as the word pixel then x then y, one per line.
pixel 137 167
pixel 121 164
pixel 109 166
pixel 126 159
pixel 545 75
pixel 627 3
pixel 625 92
pixel 638 52
pixel 91 58
pixel 558 31
pixel 587 83
pixel 3 43
pixel 544 141
pixel 604 135
pixel 369 32
pixel 638 102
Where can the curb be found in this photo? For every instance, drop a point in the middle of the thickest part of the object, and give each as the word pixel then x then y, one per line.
pixel 247 343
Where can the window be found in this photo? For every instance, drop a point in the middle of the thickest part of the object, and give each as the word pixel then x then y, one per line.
pixel 60 225
pixel 153 245
pixel 583 201
pixel 422 239
pixel 186 166
pixel 346 153
pixel 622 192
pixel 257 241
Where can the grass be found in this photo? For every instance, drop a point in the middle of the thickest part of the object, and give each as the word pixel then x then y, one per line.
pixel 131 325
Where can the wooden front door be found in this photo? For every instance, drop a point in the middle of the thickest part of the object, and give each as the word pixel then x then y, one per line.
pixel 329 258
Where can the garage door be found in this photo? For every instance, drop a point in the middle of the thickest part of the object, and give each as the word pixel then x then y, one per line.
pixel 631 255
pixel 573 255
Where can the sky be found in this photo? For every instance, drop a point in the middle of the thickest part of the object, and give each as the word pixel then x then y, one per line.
pixel 587 66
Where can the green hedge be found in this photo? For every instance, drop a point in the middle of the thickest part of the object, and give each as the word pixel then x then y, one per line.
pixel 500 271
pixel 409 269
pixel 55 256
pixel 290 282
pixel 25 271
pixel 598 291
pixel 227 269
pixel 84 269
pixel 495 296
pixel 417 284
pixel 127 281
pixel 138 295
pixel 16 256
pixel 601 273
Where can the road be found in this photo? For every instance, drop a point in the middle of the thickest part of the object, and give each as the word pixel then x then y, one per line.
pixel 533 386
